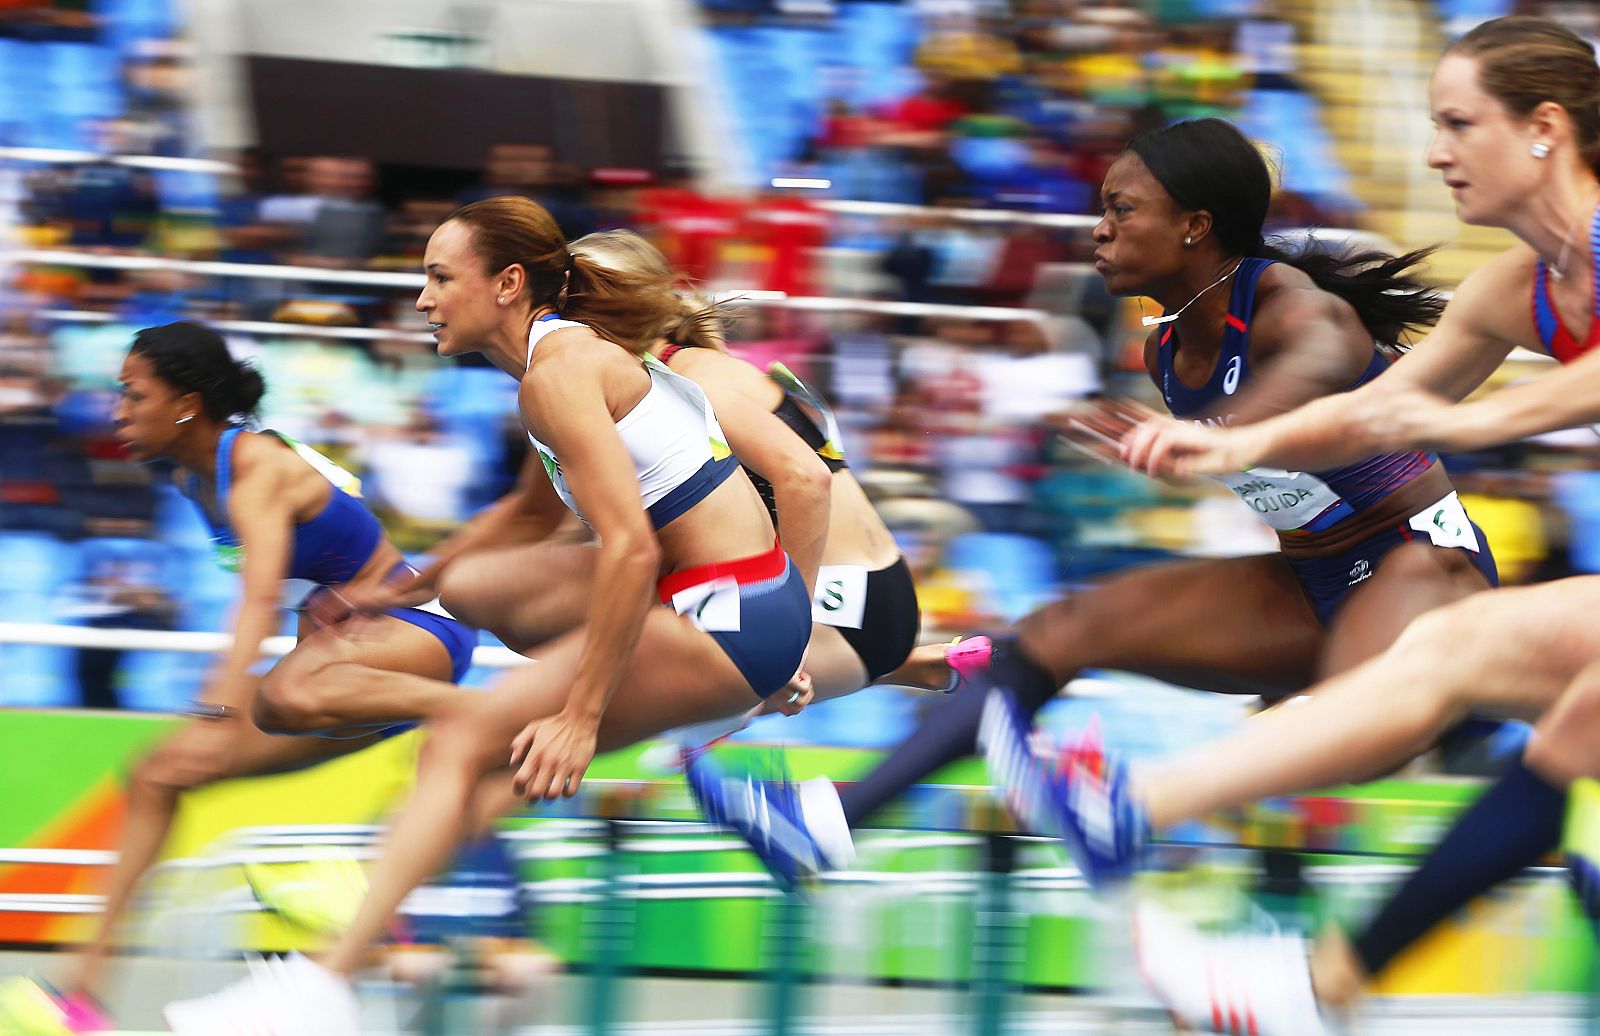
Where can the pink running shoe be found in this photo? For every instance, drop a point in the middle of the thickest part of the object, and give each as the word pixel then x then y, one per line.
pixel 967 659
pixel 83 1014
pixel 32 1007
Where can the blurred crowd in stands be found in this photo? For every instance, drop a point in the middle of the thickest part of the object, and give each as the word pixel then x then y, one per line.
pixel 1017 105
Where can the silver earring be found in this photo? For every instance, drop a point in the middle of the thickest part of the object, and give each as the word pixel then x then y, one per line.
pixel 184 419
pixel 502 300
pixel 1540 150
pixel 1188 241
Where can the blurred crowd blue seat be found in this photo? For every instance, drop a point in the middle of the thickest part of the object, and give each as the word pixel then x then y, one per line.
pixel 53 92
pixel 778 79
pixel 34 570
pixel 1292 122
pixel 1578 493
pixel 1017 573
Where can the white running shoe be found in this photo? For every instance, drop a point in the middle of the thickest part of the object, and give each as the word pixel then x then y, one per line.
pixel 293 996
pixel 1252 984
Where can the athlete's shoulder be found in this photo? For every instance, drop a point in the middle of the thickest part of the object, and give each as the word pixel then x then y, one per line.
pixel 1286 294
pixel 261 456
pixel 1512 269
pixel 576 348
pixel 1496 299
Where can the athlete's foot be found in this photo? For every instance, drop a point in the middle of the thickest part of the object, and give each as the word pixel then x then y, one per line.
pixel 1256 983
pixel 320 896
pixel 293 996
pixel 32 1007
pixel 1088 804
pixel 797 829
pixel 1338 977
pixel 968 660
pixel 943 667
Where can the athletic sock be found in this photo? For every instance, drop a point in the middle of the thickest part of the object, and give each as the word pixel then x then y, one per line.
pixel 1516 822
pixel 949 731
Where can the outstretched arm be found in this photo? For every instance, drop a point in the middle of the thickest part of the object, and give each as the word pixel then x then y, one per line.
pixel 1471 340
pixel 566 402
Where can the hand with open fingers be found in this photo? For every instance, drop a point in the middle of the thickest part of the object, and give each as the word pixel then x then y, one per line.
pixel 1098 426
pixel 551 755
pixel 1172 448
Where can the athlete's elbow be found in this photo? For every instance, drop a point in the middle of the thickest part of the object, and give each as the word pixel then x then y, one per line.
pixel 810 481
pixel 636 552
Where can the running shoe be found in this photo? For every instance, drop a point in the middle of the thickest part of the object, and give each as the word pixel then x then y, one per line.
pixel 1581 843
pixel 968 660
pixel 797 829
pixel 1254 984
pixel 320 896
pixel 32 1007
pixel 1088 805
pixel 291 996
pixel 1087 750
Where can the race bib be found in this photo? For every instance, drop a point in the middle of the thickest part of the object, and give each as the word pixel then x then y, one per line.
pixel 1446 524
pixel 841 597
pixel 1288 500
pixel 712 606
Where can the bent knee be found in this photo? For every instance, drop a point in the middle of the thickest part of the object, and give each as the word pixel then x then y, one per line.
pixel 464 591
pixel 152 779
pixel 458 741
pixel 1441 632
pixel 290 701
pixel 1576 714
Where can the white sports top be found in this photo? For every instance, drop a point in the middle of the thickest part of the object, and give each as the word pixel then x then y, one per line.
pixel 679 452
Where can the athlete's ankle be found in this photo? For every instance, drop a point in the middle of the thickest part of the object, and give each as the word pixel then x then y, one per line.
pixel 1337 977
pixel 1016 668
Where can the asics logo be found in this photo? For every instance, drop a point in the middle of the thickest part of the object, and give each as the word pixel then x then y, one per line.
pixel 1230 379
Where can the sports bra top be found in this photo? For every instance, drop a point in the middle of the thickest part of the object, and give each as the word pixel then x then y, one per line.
pixel 1553 334
pixel 679 452
pixel 328 548
pixel 1289 501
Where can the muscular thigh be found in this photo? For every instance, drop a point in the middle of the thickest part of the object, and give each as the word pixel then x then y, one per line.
pixel 1231 624
pixel 382 642
pixel 525 595
pixel 1411 580
pixel 677 676
pixel 1517 647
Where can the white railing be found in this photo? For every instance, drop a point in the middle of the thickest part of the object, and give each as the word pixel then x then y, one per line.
pixel 63 156
pixel 843 206
pixel 54 635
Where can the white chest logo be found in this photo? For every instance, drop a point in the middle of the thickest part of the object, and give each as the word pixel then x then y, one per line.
pixel 1230 379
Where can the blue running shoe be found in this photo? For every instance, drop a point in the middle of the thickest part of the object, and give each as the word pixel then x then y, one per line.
pixel 797 829
pixel 1087 805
